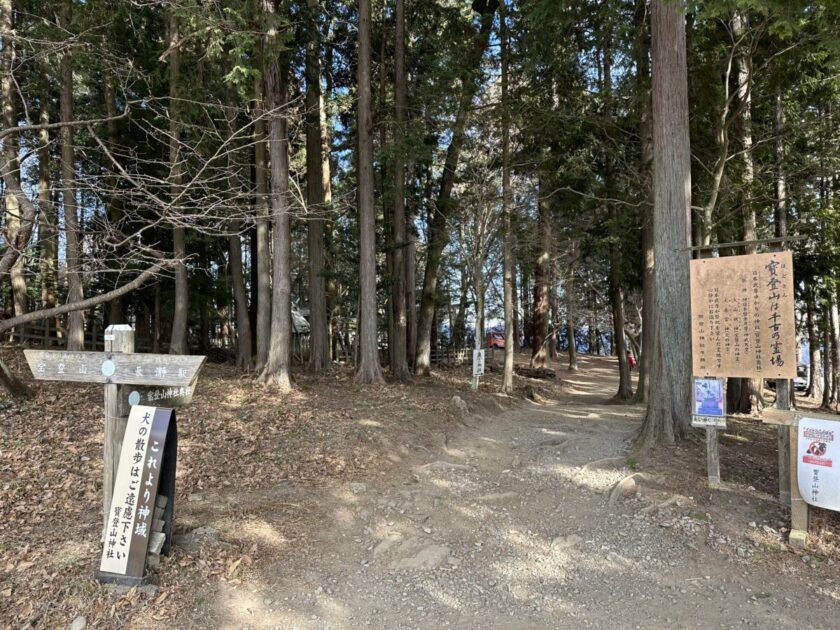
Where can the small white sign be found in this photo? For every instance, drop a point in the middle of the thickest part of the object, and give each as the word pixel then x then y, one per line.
pixel 817 453
pixel 478 362
pixel 127 499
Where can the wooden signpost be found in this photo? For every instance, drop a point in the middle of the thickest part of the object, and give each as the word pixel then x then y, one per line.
pixel 742 324
pixel 165 380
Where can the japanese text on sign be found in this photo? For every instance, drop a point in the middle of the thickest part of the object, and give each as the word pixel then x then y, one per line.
pixel 742 315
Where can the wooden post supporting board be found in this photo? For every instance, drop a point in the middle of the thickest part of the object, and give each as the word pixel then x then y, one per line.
pixel 118 338
pixel 798 508
pixel 713 458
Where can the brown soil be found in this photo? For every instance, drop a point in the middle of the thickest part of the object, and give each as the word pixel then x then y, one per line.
pixel 342 507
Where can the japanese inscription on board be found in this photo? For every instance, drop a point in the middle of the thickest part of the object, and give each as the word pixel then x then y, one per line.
pixel 742 316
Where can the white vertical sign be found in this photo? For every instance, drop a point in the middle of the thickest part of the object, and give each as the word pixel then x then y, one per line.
pixel 478 362
pixel 127 489
pixel 818 462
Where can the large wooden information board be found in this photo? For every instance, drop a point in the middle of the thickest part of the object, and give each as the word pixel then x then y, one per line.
pixel 742 316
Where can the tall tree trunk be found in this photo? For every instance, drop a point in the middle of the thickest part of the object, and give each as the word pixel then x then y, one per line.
pixel 625 389
pixel 438 228
pixel 828 364
pixel 76 334
pixel 11 165
pixel 319 351
pixel 784 387
pixel 410 276
pixel 645 166
pixel 541 277
pixel 814 389
pixel 369 371
pixel 277 368
pixel 834 327
pixel 669 408
pixel 507 207
pixel 571 306
pixel 178 343
pixel 751 399
pixel 244 354
pixel 399 362
pixel 459 325
pixel 116 315
pixel 47 222
pixel 525 311
pixel 263 251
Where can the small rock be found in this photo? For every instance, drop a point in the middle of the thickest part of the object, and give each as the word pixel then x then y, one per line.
pixel 459 406
pixel 79 623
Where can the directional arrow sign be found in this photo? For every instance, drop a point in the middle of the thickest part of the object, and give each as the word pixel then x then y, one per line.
pixel 114 367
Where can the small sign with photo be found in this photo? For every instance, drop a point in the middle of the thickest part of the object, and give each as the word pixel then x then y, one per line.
pixel 709 408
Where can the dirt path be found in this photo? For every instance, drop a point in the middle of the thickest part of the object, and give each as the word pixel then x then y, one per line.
pixel 505 526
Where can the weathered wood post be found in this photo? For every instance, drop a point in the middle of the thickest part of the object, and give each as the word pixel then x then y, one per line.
pixel 118 338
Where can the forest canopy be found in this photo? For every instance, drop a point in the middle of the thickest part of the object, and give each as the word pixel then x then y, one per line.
pixel 295 183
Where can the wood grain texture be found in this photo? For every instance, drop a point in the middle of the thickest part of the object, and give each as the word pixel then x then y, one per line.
pixel 742 316
pixel 128 369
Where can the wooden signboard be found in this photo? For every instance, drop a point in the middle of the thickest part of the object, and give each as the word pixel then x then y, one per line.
pixel 742 316
pixel 114 367
pixel 146 468
pixel 158 380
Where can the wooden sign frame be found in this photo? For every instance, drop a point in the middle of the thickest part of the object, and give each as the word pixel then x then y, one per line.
pixel 742 316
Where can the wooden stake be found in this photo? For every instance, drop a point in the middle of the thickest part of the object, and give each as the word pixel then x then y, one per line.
pixel 798 507
pixel 118 338
pixel 713 458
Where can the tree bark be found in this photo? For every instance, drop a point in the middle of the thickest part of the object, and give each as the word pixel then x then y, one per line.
pixel 814 353
pixel 114 213
pixel 369 370
pixel 263 253
pixel 507 208
pixel 277 368
pixel 244 354
pixel 571 306
pixel 410 277
pixel 828 364
pixel 76 333
pixel 319 350
pixel 539 352
pixel 399 362
pixel 751 399
pixel 834 327
pixel 647 355
pixel 669 408
pixel 47 222
pixel 625 389
pixel 438 229
pixel 11 166
pixel 178 343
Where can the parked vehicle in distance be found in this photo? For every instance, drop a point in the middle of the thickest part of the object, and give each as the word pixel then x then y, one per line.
pixel 496 340
pixel 803 372
pixel 800 383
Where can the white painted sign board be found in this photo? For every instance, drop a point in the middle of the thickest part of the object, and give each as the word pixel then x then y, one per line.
pixel 478 362
pixel 818 462
pixel 135 489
